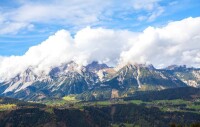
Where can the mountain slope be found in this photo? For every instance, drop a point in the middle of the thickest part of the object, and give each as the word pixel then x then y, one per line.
pixel 190 76
pixel 96 79
pixel 144 78
pixel 186 93
pixel 66 79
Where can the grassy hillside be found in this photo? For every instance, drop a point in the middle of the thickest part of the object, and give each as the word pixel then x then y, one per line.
pixel 172 107
pixel 90 116
pixel 167 94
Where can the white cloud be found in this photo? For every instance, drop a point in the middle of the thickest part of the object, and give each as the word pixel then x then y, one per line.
pixel 167 45
pixel 76 13
pixel 148 5
pixel 65 12
pixel 176 43
pixel 191 57
pixel 88 45
pixel 153 15
pixel 7 26
pixel 102 44
pixel 152 7
pixel 14 27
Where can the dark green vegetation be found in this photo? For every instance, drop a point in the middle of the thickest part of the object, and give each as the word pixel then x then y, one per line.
pixel 186 93
pixel 19 103
pixel 180 108
pixel 89 116
pixel 167 94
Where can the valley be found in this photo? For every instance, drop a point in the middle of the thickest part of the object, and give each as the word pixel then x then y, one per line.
pixel 136 95
pixel 99 63
pixel 148 111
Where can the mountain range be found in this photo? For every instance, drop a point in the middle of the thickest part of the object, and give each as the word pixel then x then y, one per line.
pixel 97 81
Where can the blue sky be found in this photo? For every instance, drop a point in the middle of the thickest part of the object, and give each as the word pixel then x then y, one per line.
pixel 24 23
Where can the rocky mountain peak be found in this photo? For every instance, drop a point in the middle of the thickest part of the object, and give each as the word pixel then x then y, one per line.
pixel 138 66
pixel 66 68
pixel 176 67
pixel 96 66
pixel 71 78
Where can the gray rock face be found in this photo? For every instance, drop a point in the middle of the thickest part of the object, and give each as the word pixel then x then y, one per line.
pixel 71 78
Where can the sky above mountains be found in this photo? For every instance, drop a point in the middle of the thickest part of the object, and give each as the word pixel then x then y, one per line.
pixel 24 23
pixel 46 33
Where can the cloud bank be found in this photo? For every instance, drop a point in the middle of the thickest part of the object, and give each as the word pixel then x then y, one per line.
pixel 176 43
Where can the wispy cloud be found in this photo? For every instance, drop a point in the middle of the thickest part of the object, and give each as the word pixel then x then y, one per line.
pixel 151 8
pixel 14 27
pixel 76 13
